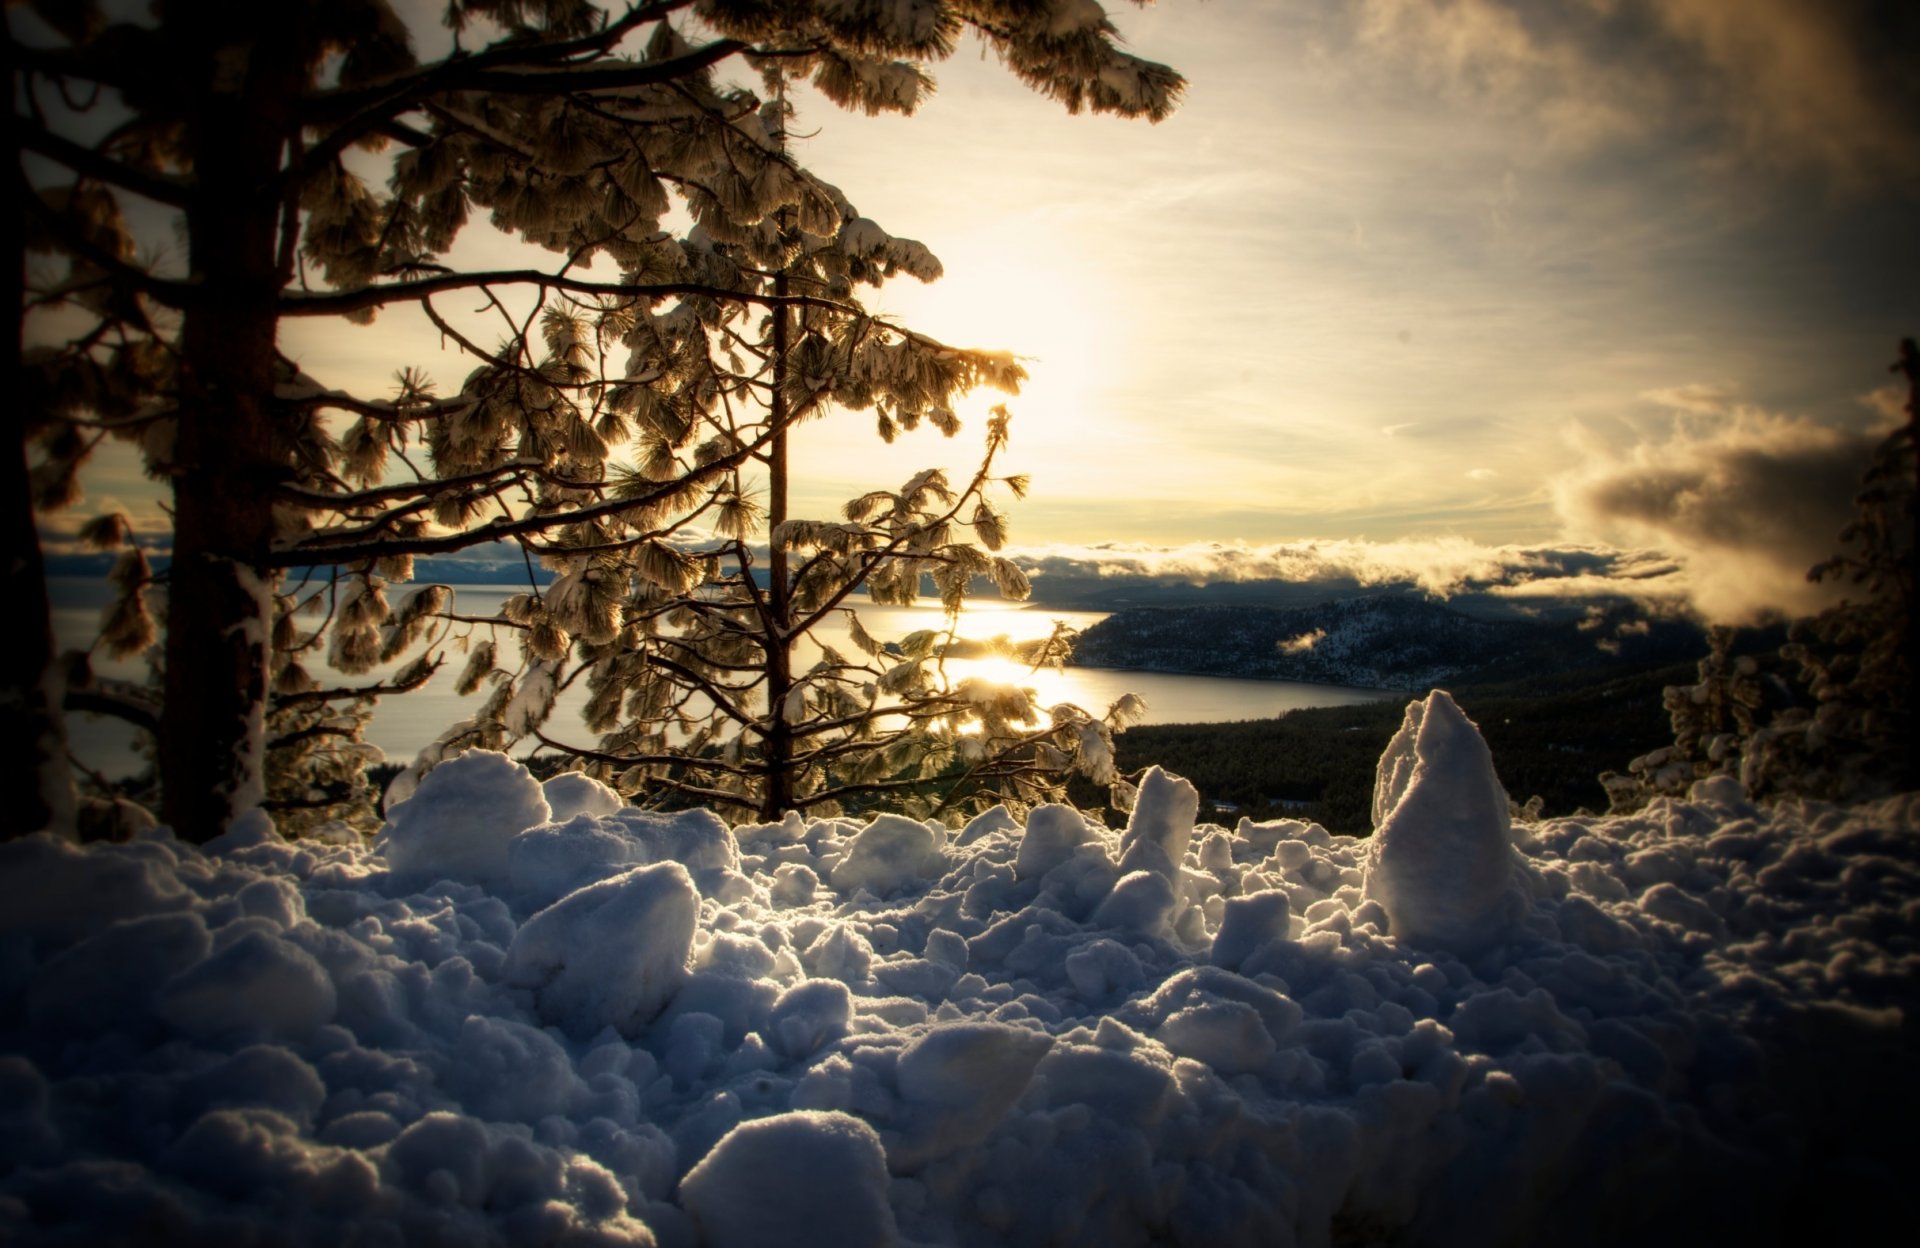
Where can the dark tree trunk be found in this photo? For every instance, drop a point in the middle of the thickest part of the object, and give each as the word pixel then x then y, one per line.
pixel 212 746
pixel 1909 763
pixel 37 779
pixel 777 747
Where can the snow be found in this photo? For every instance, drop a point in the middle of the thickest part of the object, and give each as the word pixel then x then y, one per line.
pixel 815 1178
pixel 461 820
pixel 1442 865
pixel 570 793
pixel 526 1015
pixel 611 954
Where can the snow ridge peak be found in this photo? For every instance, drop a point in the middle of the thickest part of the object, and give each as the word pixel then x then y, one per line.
pixel 1442 864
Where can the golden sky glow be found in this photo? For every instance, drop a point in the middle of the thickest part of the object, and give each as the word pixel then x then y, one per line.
pixel 1408 272
pixel 1400 271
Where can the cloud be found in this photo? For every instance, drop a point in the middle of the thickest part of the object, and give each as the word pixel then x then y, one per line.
pixel 1744 507
pixel 1500 57
pixel 1303 643
pixel 1695 397
pixel 1793 85
pixel 1442 566
pixel 1821 82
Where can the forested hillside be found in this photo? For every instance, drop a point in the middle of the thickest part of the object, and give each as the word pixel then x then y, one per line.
pixel 1550 736
pixel 1385 641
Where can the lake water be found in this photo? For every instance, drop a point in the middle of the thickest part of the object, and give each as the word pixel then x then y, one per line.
pixel 402 725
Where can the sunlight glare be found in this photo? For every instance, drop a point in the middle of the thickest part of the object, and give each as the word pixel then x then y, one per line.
pixel 1019 284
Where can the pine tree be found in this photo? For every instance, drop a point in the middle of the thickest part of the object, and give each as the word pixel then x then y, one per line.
pixel 1711 719
pixel 1847 730
pixel 709 677
pixel 574 129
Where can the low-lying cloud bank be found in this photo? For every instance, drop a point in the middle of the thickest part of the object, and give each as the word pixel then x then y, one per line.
pixel 1440 566
pixel 1721 516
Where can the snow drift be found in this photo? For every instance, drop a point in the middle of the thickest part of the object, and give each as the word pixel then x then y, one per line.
pixel 531 1016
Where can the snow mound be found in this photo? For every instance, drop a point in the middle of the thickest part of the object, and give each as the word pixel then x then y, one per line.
pixel 611 954
pixel 570 793
pixel 802 1178
pixel 1161 824
pixel 459 821
pixel 1694 1024
pixel 886 855
pixel 1442 864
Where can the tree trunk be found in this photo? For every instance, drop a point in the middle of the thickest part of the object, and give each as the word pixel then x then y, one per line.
pixel 1909 778
pixel 212 746
pixel 777 747
pixel 37 778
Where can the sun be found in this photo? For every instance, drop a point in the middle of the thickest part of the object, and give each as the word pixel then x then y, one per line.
pixel 1018 285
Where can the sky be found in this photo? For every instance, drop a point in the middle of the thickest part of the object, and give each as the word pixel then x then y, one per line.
pixel 1408 284
pixel 1407 273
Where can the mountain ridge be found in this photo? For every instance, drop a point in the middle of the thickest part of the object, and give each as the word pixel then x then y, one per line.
pixel 1379 641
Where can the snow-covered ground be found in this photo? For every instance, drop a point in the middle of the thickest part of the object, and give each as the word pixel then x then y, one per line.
pixel 530 1016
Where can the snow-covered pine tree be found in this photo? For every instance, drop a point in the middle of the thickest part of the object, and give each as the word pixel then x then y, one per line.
pixel 1711 720
pixel 710 679
pixel 1845 729
pixel 250 127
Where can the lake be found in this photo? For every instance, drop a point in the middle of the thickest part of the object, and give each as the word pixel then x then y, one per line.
pixel 403 724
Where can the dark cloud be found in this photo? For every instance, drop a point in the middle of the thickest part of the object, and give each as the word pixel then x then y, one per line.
pixel 1745 508
pixel 1794 85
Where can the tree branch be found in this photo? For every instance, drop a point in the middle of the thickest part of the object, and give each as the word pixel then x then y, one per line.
pixel 447 75
pixel 336 303
pixel 308 733
pixel 87 162
pixel 635 760
pixel 319 500
pixel 308 696
pixel 318 544
pixel 161 290
pixel 100 702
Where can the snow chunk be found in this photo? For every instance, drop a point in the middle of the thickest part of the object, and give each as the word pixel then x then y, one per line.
pixel 1053 832
pixel 1226 1035
pixel 611 954
pixel 886 855
pixel 546 863
pixel 570 793
pixel 53 890
pixel 1162 820
pixel 1140 902
pixel 1102 968
pixel 110 978
pixel 1442 864
pixel 255 984
pixel 809 1016
pixel 459 821
pixel 696 839
pixel 801 1178
pixel 958 1081
pixel 1199 987
pixel 987 823
pixel 1247 923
